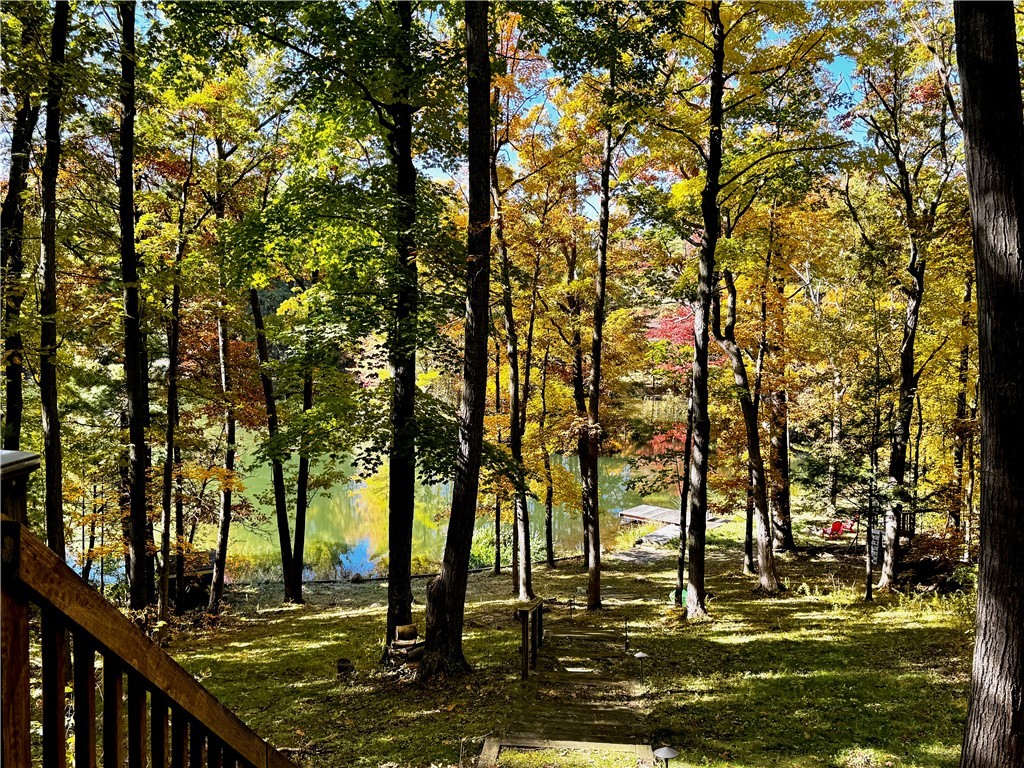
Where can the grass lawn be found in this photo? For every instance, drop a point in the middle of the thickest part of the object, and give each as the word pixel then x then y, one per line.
pixel 814 678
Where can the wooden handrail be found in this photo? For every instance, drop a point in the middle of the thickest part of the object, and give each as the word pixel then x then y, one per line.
pixel 32 573
pixel 531 617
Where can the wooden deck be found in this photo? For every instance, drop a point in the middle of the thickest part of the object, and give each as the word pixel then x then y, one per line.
pixel 583 697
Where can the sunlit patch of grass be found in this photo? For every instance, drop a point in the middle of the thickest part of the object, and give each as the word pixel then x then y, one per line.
pixel 564 758
pixel 815 677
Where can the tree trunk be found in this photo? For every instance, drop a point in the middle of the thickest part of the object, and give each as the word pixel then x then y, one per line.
pixel 276 461
pixel 684 497
pixel 52 452
pixel 497 492
pixel 767 579
pixel 524 583
pixel 782 522
pixel 749 569
pixel 446 594
pixel 302 495
pixel 591 497
pixel 12 235
pixel 696 592
pixel 994 132
pixel 402 344
pixel 962 427
pixel 173 338
pixel 549 489
pixel 180 539
pixel 579 394
pixel 224 348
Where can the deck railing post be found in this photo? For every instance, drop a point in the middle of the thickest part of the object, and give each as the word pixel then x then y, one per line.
pixel 15 468
pixel 14 698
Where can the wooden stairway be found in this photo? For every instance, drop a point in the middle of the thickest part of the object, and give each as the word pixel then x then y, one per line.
pixel 583 697
pixel 152 711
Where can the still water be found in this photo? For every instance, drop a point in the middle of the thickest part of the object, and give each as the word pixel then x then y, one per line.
pixel 347 525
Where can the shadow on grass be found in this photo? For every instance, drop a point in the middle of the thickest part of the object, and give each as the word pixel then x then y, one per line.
pixel 814 677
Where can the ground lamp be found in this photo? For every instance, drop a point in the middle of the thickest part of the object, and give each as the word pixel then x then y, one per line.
pixel 666 754
pixel 640 656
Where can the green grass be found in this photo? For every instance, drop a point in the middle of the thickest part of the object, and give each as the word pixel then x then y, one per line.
pixel 816 677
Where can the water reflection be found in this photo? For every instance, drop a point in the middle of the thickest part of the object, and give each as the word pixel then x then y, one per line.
pixel 347 527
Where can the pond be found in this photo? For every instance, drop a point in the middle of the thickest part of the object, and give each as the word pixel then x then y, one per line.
pixel 347 525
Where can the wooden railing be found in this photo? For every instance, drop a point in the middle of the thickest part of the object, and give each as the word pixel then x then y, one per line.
pixel 531 619
pixel 152 712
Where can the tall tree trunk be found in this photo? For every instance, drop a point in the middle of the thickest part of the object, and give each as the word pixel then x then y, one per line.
pixel 749 569
pixel 524 584
pixel 549 490
pixel 446 594
pixel 767 579
pixel 579 393
pixel 173 338
pixel 302 494
pixel 497 492
pixel 696 592
pixel 778 425
pixel 276 460
pixel 12 235
pixel 684 500
pixel 180 539
pixel 591 497
pixel 53 454
pixel 904 414
pixel 962 426
pixel 402 344
pixel 994 131
pixel 224 356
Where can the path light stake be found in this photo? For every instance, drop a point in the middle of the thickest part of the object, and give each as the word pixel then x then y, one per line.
pixel 666 754
pixel 640 656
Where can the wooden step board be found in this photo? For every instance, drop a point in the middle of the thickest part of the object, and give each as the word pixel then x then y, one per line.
pixel 642 753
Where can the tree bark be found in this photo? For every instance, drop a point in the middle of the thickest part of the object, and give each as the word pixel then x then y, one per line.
pixel 276 462
pixel 767 579
pixel 549 490
pixel 402 344
pixel 517 409
pixel 446 594
pixel 224 356
pixel 302 494
pixel 994 132
pixel 782 522
pixel 684 498
pixel 12 235
pixel 962 427
pixel 696 593
pixel 52 450
pixel 173 405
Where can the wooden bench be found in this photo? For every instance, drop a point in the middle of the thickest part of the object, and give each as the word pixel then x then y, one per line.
pixel 531 618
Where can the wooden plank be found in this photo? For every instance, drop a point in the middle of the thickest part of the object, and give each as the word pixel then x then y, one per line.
pixel 54 644
pixel 489 754
pixel 158 729
pixel 532 741
pixel 213 753
pixel 179 738
pixel 524 621
pixel 113 713
pixel 136 722
pixel 528 605
pixel 196 745
pixel 15 745
pixel 53 583
pixel 85 702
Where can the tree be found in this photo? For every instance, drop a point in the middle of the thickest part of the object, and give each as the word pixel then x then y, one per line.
pixel 994 129
pixel 135 373
pixel 446 594
pixel 12 215
pixel 726 338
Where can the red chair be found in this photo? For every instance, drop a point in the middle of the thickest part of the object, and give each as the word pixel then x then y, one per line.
pixel 835 531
